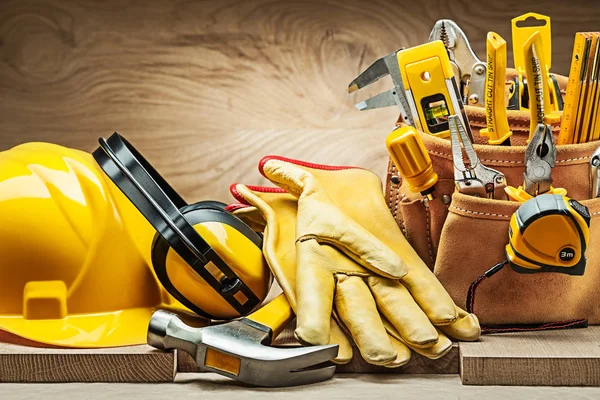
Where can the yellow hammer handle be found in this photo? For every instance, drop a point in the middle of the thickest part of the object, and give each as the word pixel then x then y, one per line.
pixel 497 129
pixel 274 315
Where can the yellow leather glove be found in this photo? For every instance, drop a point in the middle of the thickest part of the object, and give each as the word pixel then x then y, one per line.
pixel 344 237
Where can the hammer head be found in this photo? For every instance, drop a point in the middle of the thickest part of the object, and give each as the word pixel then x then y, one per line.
pixel 239 350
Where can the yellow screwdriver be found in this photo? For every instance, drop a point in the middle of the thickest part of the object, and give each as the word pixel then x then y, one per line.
pixel 497 129
pixel 412 160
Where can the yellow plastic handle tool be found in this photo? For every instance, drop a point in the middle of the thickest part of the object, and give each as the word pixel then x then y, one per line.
pixel 412 160
pixel 497 129
pixel 520 195
pixel 521 33
pixel 426 72
pixel 275 315
pixel 522 28
pixel 536 72
pixel 581 47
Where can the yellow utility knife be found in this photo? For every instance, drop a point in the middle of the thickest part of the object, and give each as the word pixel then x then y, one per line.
pixel 497 129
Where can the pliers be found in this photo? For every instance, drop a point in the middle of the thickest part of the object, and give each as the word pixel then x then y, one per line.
pixel 476 179
pixel 469 69
pixel 540 158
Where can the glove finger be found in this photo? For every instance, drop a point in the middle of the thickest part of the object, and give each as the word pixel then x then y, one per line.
pixel 314 295
pixel 396 303
pixel 403 351
pixel 438 350
pixel 289 177
pixel 337 336
pixel 357 310
pixel 466 327
pixel 430 295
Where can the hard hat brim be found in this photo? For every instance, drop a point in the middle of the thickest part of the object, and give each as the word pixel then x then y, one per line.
pixel 111 329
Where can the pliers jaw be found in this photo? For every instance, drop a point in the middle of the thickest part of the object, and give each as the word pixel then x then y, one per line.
pixel 387 65
pixel 475 179
pixel 468 68
pixel 540 158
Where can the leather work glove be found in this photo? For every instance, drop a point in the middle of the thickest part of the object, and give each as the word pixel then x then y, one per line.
pixel 336 251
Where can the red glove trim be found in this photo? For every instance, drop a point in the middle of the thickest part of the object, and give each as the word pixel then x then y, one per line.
pixel 264 160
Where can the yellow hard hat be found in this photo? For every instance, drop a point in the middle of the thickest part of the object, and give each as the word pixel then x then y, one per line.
pixel 204 256
pixel 71 273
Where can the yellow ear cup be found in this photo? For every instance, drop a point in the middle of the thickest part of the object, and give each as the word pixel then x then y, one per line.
pixel 236 245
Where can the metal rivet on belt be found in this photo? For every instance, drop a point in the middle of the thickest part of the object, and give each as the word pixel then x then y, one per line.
pixel 446 199
pixel 395 179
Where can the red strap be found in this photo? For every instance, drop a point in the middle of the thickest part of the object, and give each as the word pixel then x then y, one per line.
pixel 575 323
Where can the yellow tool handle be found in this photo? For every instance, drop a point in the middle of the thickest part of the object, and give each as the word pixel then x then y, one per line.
pixel 537 84
pixel 497 129
pixel 521 33
pixel 275 315
pixel 520 195
pixel 412 160
pixel 567 126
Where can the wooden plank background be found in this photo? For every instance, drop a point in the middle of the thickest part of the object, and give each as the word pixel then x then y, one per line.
pixel 206 88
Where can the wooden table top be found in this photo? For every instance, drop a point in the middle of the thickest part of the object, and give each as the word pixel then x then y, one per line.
pixel 346 386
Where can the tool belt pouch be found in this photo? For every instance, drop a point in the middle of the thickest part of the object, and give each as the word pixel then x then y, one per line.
pixel 460 237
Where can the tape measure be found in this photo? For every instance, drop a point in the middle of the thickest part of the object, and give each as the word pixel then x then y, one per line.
pixel 549 233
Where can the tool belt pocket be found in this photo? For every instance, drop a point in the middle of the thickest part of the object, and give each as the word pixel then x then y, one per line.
pixel 473 239
pixel 460 237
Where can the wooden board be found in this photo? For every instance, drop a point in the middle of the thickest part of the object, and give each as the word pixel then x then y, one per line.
pixel 552 358
pixel 417 365
pixel 134 364
pixel 206 88
pixel 341 387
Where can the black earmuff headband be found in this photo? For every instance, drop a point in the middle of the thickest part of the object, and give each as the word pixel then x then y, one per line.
pixel 158 202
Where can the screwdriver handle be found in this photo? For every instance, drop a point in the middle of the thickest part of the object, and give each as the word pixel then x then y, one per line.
pixel 497 129
pixel 412 160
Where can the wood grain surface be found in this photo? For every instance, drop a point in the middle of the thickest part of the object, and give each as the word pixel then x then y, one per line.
pixel 206 88
pixel 342 386
pixel 124 364
pixel 552 358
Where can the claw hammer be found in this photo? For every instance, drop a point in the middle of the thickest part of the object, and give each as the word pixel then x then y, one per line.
pixel 240 349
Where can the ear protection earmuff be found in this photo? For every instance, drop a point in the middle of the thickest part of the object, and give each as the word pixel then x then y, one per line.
pixel 205 257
